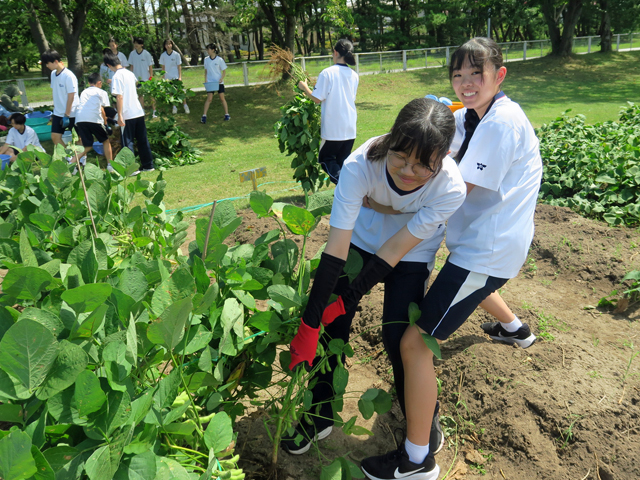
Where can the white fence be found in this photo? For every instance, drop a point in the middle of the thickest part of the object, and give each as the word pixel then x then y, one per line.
pixel 37 91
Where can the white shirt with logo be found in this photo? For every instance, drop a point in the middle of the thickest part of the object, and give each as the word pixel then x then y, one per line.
pixel 20 140
pixel 492 230
pixel 170 65
pixel 424 211
pixel 124 83
pixel 92 100
pixel 141 63
pixel 337 87
pixel 214 68
pixel 62 84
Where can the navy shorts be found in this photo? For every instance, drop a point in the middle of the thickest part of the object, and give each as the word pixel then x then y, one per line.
pixel 453 297
pixel 88 130
pixel 56 124
pixel 220 89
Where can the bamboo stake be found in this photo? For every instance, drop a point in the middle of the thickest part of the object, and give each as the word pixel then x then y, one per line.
pixel 86 195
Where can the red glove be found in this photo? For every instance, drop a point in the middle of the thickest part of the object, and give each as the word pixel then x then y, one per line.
pixel 304 345
pixel 333 311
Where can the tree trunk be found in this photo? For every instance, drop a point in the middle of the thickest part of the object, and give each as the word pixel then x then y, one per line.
pixel 71 30
pixel 261 45
pixel 606 37
pixel 192 35
pixel 568 16
pixel 276 34
pixel 39 37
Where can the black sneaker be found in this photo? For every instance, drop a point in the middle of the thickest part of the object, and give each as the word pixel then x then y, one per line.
pixel 523 336
pixel 436 438
pixel 304 435
pixel 203 119
pixel 396 465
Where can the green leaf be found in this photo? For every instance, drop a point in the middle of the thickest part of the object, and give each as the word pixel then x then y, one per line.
pixel 69 363
pixel 91 324
pixel 44 221
pixel 199 337
pixel 43 469
pixel 299 220
pixel 433 345
pixel 177 287
pixel 27 352
pixel 168 329
pixel 285 295
pixel 16 460
pixel 26 252
pixel 44 317
pixel 200 274
pixel 340 379
pixel 114 413
pixel 58 174
pixel 232 319
pixel 58 457
pixel 118 367
pixel 168 469
pixel 414 313
pixel 219 432
pixel 138 467
pixel 133 281
pixel 97 198
pixel 11 413
pixel 260 203
pixel 87 298
pixel 98 466
pixel 320 203
pixel 207 300
pixel 167 390
pixel 88 393
pixel 332 471
pixel 26 283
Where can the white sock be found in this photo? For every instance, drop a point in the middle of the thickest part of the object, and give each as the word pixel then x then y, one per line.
pixel 512 326
pixel 417 453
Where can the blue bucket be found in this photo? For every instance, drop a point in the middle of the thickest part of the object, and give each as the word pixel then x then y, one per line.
pixel 98 148
pixel 46 115
pixel 43 132
pixel 211 87
pixel 32 122
pixel 5 160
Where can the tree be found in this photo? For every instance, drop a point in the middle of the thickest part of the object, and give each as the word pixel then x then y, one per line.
pixel 562 18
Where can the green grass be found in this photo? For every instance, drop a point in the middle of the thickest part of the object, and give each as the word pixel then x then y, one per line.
pixel 596 85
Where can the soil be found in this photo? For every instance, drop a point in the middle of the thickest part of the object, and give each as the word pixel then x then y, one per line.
pixel 568 407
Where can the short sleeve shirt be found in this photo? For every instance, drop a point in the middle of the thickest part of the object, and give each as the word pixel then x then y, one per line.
pixel 124 83
pixel 492 230
pixel 92 100
pixel 336 88
pixel 21 140
pixel 141 63
pixel 123 59
pixel 170 63
pixel 214 68
pixel 424 211
pixel 63 84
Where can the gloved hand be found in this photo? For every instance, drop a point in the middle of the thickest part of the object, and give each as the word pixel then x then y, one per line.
pixel 304 345
pixel 108 129
pixel 65 122
pixel 371 274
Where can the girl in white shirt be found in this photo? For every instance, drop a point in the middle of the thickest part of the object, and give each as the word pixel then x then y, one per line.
pixel 488 237
pixel 215 70
pixel 410 170
pixel 336 90
pixel 171 63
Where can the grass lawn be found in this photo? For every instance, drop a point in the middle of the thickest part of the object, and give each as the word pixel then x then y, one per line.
pixel 595 85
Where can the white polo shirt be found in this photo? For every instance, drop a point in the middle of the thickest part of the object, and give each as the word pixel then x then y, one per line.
pixel 123 59
pixel 20 140
pixel 170 64
pixel 425 211
pixel 214 68
pixel 493 229
pixel 124 83
pixel 62 85
pixel 92 100
pixel 141 63
pixel 337 87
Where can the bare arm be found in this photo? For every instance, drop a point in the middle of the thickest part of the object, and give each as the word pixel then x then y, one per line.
pixel 4 149
pixel 119 107
pixel 338 243
pixel 224 72
pixel 398 246
pixel 150 71
pixel 470 186
pixel 180 72
pixel 305 88
pixel 378 207
pixel 70 97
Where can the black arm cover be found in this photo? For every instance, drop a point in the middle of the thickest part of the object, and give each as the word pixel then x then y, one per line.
pixel 371 274
pixel 327 274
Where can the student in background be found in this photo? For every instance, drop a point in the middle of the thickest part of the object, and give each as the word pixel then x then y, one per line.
pixel 171 63
pixel 19 137
pixel 64 85
pixel 215 69
pixel 336 90
pixel 91 118
pixel 141 64
pixel 113 45
pixel 130 112
pixel 105 73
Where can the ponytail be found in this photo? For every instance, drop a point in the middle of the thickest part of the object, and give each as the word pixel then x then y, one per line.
pixel 345 49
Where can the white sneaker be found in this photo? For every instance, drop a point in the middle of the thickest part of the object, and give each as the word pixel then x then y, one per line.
pixel 186 108
pixel 83 160
pixel 154 114
pixel 175 109
pixel 136 173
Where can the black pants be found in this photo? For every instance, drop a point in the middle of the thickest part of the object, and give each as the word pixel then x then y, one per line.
pixel 332 155
pixel 136 129
pixel 405 284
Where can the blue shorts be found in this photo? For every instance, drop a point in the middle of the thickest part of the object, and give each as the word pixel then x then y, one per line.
pixel 453 297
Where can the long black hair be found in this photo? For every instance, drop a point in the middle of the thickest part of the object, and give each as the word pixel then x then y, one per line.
pixel 479 52
pixel 423 127
pixel 345 49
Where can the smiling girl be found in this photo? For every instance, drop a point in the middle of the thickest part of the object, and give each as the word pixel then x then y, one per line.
pixel 488 237
pixel 408 169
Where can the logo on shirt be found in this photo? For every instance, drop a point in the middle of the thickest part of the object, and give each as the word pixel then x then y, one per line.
pixel 440 226
pixel 61 85
pixel 481 166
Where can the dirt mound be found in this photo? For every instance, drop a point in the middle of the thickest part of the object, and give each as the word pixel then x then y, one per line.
pixel 566 408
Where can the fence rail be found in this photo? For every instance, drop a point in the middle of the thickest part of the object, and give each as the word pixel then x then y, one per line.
pixel 37 90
